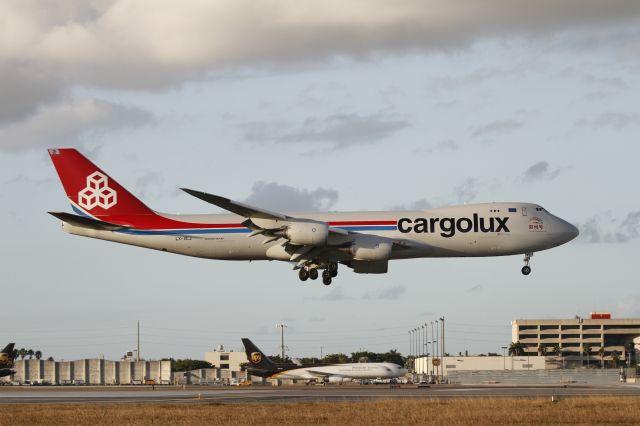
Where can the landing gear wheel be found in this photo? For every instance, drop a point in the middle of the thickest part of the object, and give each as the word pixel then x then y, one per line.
pixel 326 277
pixel 313 273
pixel 332 266
pixel 334 273
pixel 526 269
pixel 303 274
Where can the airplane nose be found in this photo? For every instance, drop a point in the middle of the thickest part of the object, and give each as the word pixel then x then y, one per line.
pixel 574 231
pixel 566 230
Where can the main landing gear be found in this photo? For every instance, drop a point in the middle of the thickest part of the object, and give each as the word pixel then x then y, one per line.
pixel 330 271
pixel 526 269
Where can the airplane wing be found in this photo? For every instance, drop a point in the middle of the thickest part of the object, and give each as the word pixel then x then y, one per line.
pixel 321 373
pixel 236 207
pixel 306 241
pixel 279 220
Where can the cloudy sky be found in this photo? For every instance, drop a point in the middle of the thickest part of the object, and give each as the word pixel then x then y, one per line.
pixel 360 105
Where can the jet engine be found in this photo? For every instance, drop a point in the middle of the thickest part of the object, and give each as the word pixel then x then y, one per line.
pixel 371 249
pixel 307 233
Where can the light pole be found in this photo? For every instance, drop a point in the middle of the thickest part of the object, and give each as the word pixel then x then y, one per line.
pixel 433 352
pixel 426 343
pixel 419 342
pixel 504 355
pixel 421 331
pixel 437 350
pixel 410 345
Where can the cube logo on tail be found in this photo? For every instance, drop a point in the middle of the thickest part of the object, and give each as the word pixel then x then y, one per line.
pixel 256 357
pixel 97 193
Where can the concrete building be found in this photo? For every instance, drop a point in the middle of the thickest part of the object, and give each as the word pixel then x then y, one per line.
pixel 90 372
pixel 605 338
pixel 424 365
pixel 225 360
pixel 210 376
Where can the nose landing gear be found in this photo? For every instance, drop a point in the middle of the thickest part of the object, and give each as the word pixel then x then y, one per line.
pixel 526 269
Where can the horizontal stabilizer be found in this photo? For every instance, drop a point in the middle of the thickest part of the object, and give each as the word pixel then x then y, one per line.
pixel 87 222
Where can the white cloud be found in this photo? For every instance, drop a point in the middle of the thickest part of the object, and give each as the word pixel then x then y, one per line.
pixel 496 128
pixel 540 171
pixel 282 198
pixel 611 120
pixel 389 293
pixel 339 130
pixel 69 123
pixel 599 229
pixel 49 48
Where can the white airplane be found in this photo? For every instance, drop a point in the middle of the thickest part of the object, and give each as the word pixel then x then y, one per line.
pixel 363 241
pixel 260 365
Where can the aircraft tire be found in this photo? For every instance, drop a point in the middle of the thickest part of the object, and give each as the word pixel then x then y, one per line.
pixel 526 270
pixel 313 273
pixel 326 277
pixel 303 274
pixel 334 273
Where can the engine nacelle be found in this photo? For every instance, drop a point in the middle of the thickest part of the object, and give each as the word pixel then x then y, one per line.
pixel 307 233
pixel 371 249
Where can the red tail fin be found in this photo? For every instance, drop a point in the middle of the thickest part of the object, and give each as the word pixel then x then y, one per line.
pixel 91 191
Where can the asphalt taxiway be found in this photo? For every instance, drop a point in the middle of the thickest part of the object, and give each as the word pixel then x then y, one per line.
pixel 260 394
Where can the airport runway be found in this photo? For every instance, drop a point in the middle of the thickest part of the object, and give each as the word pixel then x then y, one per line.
pixel 33 395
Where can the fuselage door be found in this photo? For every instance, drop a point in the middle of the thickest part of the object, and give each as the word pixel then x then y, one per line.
pixel 524 211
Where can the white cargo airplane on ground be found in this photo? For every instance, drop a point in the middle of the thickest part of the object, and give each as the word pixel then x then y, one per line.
pixel 262 366
pixel 363 241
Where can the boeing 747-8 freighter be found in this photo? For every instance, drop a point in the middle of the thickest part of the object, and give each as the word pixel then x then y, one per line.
pixel 313 241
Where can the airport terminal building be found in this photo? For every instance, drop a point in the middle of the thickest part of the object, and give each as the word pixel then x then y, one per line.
pixel 603 337
pixel 226 360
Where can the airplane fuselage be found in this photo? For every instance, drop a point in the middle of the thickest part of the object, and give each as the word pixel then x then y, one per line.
pixel 365 370
pixel 472 230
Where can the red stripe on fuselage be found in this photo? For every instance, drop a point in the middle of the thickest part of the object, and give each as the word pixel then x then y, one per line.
pixel 156 221
pixel 363 222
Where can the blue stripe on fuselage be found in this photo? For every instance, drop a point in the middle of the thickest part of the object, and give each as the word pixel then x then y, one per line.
pixel 238 230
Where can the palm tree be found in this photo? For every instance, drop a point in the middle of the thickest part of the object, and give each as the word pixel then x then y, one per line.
pixel 601 353
pixel 516 348
pixel 30 352
pixel 557 350
pixel 38 354
pixel 615 358
pixel 541 350
pixel 22 352
pixel 586 348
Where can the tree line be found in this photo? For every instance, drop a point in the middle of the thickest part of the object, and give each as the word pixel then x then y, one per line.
pixel 23 353
pixel 339 358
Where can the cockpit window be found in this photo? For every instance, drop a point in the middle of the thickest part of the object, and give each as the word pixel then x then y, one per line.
pixel 539 209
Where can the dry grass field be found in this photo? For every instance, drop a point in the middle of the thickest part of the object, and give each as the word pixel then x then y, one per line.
pixel 473 411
